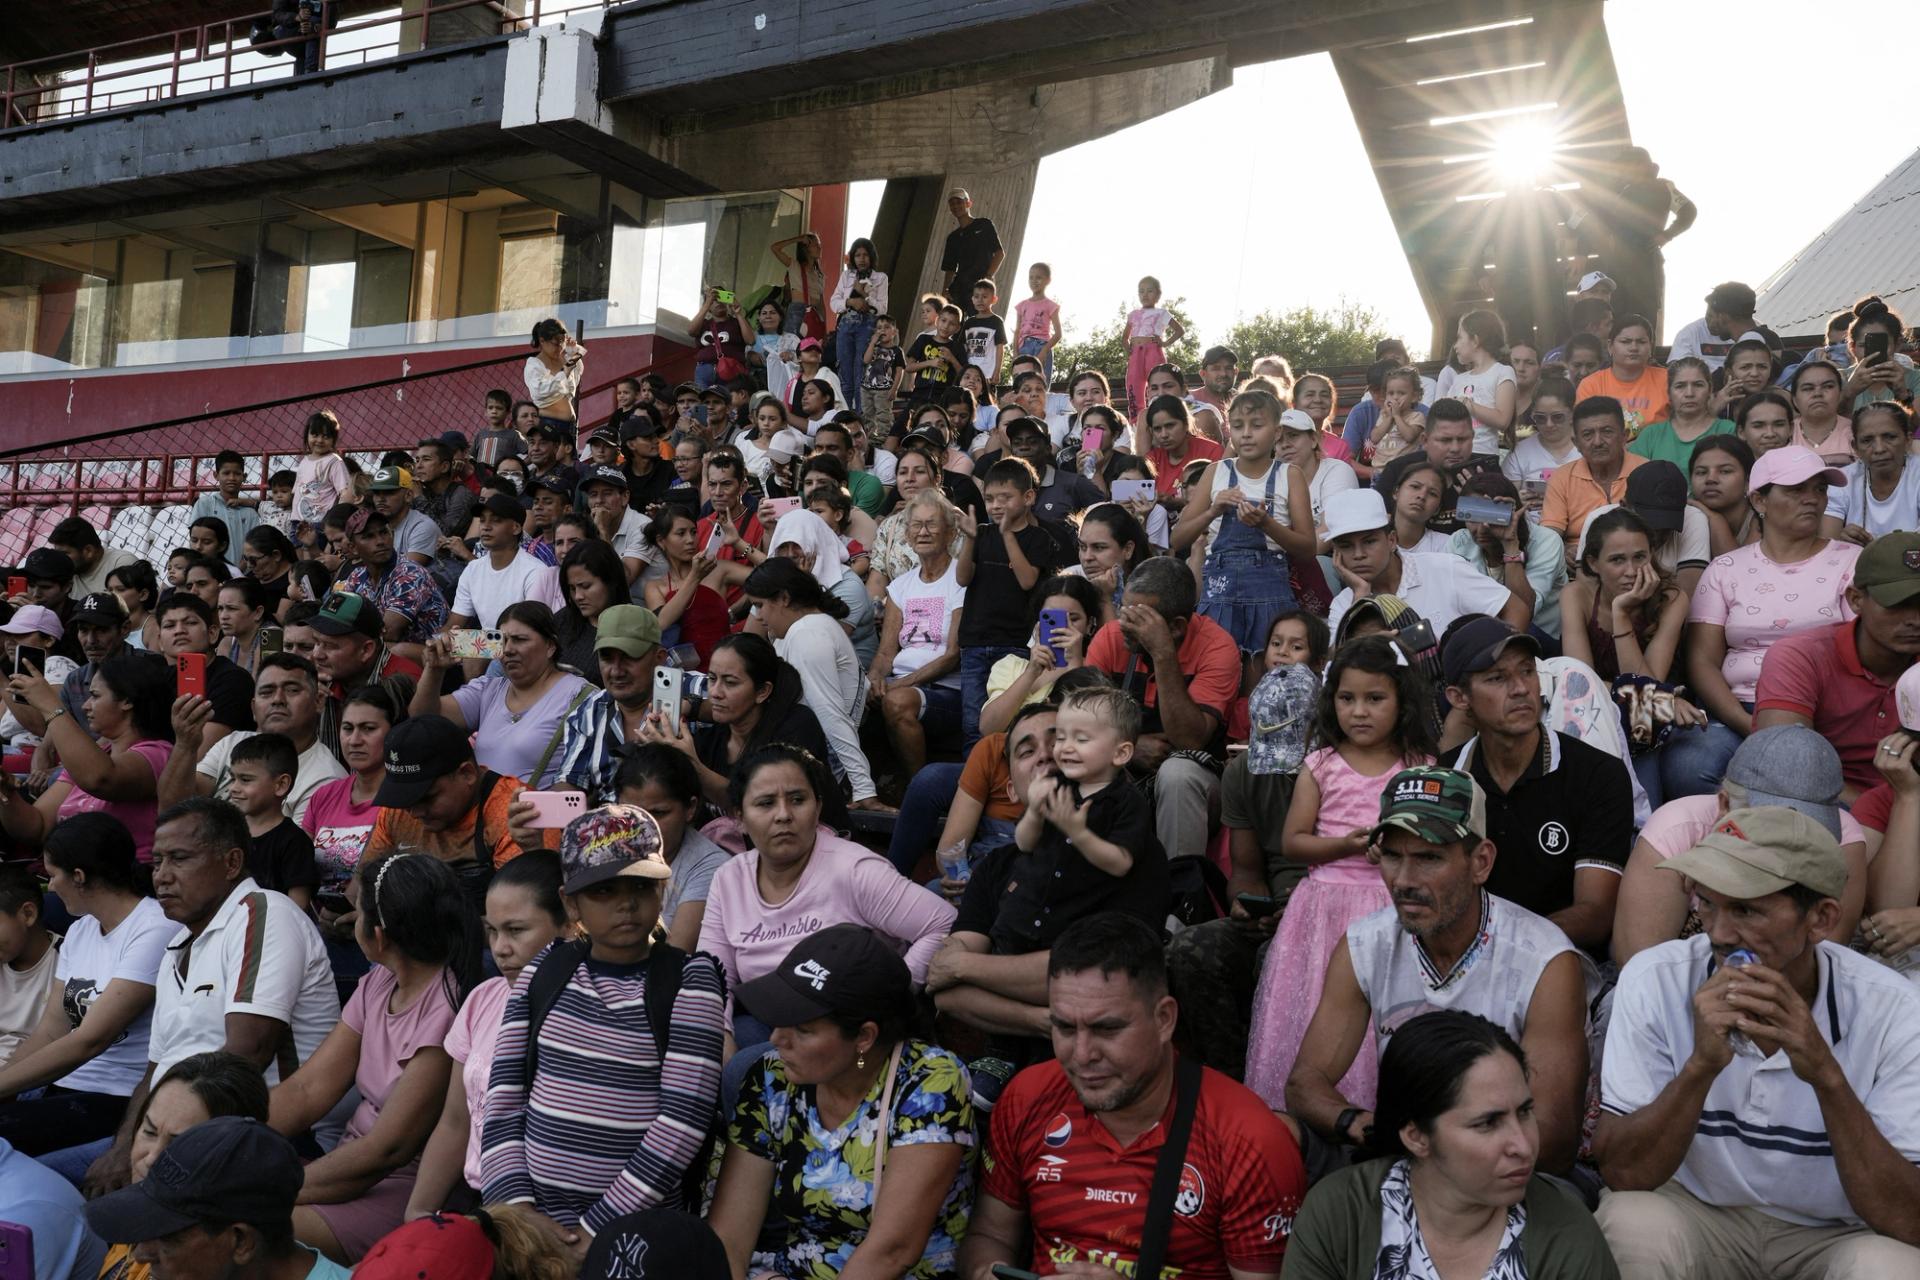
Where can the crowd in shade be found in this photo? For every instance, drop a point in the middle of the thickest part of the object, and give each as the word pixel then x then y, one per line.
pixel 888 807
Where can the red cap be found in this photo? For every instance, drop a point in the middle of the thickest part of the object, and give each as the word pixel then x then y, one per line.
pixel 442 1246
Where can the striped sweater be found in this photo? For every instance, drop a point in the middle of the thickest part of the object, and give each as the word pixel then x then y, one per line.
pixel 607 1126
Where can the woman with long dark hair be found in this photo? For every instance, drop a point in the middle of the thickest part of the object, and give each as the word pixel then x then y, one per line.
pixel 1717 472
pixel 553 374
pixel 859 299
pixel 689 595
pixel 592 580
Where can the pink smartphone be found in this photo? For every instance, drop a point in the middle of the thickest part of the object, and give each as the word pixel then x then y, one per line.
pixel 553 809
pixel 772 509
pixel 16 1252
pixel 1092 439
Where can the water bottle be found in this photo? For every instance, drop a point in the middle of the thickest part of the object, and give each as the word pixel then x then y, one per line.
pixel 1089 464
pixel 953 862
pixel 1743 1046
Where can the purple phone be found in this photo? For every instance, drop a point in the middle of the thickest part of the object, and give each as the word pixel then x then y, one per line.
pixel 1052 620
pixel 16 1252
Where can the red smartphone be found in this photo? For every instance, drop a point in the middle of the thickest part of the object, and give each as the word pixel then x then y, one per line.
pixel 16 586
pixel 192 675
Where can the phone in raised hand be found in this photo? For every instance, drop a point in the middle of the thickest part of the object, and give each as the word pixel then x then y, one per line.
pixel 554 809
pixel 1052 620
pixel 192 675
pixel 667 684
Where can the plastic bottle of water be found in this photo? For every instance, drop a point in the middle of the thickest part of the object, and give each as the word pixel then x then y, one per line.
pixel 1742 1045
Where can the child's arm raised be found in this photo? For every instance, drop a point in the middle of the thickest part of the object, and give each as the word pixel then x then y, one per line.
pixel 1058 808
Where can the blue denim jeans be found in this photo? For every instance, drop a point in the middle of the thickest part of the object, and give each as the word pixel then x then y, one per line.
pixel 976 661
pixel 1694 761
pixel 1033 347
pixel 923 809
pixel 851 340
pixel 705 375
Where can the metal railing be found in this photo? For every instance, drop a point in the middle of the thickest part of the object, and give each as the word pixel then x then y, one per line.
pixel 203 59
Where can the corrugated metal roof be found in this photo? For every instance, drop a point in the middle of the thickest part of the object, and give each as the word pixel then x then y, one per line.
pixel 1873 247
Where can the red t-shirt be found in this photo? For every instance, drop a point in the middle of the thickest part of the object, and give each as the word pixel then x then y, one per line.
pixel 1816 673
pixel 1208 655
pixel 1166 472
pixel 1874 809
pixel 1085 1197
pixel 751 531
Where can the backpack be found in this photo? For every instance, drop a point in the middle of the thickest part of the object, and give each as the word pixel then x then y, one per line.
pixel 665 966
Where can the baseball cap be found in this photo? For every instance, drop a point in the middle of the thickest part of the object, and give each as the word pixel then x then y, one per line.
pixel 1593 280
pixel 100 606
pixel 455 440
pixel 1792 464
pixel 809 344
pixel 1889 568
pixel 1434 803
pixel 1751 853
pixel 1788 766
pixel 550 484
pixel 345 613
pixel 1028 425
pixel 1906 696
pixel 960 193
pixel 934 436
pixel 421 750
pixel 38 620
pixel 627 628
pixel 606 436
pixel 1474 646
pixel 390 480
pixel 653 1242
pixel 1297 420
pixel 787 444
pixel 362 517
pixel 1657 493
pixel 47 565
pixel 441 1246
pixel 604 474
pixel 228 1169
pixel 841 969
pixel 552 431
pixel 611 841
pixel 1355 511
pixel 506 508
pixel 717 392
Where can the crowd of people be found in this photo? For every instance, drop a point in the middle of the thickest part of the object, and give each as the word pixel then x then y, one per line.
pixel 1162 826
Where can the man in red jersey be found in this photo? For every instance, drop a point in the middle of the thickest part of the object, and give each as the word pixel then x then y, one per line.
pixel 1074 1142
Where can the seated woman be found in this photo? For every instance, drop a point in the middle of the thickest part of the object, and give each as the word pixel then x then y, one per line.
pixel 1454 1178
pixel 808 541
pixel 796 872
pixel 524 914
pixel 90 1047
pixel 852 1138
pixel 1717 472
pixel 111 764
pixel 592 580
pixel 425 952
pixel 1413 488
pixel 1882 494
pixel 690 595
pixel 517 717
pixel 1016 680
pixel 1112 545
pixel 245 626
pixel 893 554
pixel 340 819
pixel 1764 422
pixel 915 676
pixel 270 559
pixel 1144 508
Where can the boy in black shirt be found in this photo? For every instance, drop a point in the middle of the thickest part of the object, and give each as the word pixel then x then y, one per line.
pixel 935 359
pixel 1010 557
pixel 260 778
pixel 984 334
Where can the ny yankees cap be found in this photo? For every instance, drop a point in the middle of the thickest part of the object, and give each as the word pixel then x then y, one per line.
pixel 842 969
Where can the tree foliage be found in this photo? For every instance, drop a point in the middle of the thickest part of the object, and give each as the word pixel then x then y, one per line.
pixel 1105 348
pixel 1311 337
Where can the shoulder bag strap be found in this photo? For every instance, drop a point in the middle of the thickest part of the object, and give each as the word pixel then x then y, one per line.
pixel 543 991
pixel 1166 1171
pixel 886 1120
pixel 482 852
pixel 580 695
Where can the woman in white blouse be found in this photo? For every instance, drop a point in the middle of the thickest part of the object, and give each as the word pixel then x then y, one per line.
pixel 553 372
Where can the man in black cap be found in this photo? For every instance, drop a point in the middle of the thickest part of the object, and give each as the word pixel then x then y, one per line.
pixel 656 1242
pixel 547 498
pixel 550 456
pixel 609 505
pixel 217 1202
pixel 1061 493
pixel 504 575
pixel 99 625
pixel 436 798
pixel 1559 812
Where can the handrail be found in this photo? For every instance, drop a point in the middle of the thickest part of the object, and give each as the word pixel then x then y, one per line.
pixel 26 103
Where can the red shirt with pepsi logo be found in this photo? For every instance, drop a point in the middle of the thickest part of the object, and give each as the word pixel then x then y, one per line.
pixel 1085 1196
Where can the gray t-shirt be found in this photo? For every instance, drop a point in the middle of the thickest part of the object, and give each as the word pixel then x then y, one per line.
pixel 693 869
pixel 416 534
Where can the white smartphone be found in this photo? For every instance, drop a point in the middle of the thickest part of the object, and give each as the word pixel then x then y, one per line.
pixel 714 542
pixel 554 809
pixel 1127 490
pixel 666 695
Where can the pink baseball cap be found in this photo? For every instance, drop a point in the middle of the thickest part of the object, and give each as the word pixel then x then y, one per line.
pixel 35 620
pixel 1792 464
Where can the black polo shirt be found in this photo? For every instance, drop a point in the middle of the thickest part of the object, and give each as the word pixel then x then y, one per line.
pixel 1571 808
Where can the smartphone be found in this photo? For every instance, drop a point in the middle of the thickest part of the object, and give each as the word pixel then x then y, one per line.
pixel 16 586
pixel 191 675
pixel 1256 905
pixel 1128 490
pixel 1092 438
pixel 666 449
pixel 1052 620
pixel 667 682
pixel 554 809
pixel 16 1252
pixel 1004 1272
pixel 1875 347
pixel 336 903
pixel 723 296
pixel 1481 510
pixel 714 543
pixel 1417 637
pixel 472 643
pixel 29 659
pixel 772 509
pixel 273 641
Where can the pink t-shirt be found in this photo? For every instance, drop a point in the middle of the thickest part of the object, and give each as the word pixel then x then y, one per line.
pixel 1035 317
pixel 317 486
pixel 340 830
pixel 470 1043
pixel 388 1041
pixel 136 815
pixel 1148 322
pixel 1349 802
pixel 1678 825
pixel 1758 601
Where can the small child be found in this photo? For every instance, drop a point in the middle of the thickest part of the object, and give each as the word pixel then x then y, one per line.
pixel 984 334
pixel 934 359
pixel 321 480
pixel 241 514
pixel 261 773
pixel 881 372
pixel 1151 329
pixel 277 510
pixel 1037 320
pixel 28 957
pixel 497 439
pixel 177 562
pixel 1402 425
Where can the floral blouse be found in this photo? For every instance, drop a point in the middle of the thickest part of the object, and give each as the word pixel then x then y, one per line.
pixel 823 1178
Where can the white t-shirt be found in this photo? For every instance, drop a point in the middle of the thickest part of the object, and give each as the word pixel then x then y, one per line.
pixel 835 687
pixel 1695 339
pixel 926 612
pixel 1482 388
pixel 1439 587
pixel 485 592
pixel 1855 504
pixel 317 768
pixel 1332 476
pixel 261 955
pixel 1532 460
pixel 23 997
pixel 89 961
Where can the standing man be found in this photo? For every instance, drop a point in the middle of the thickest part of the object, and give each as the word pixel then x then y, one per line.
pixel 1729 319
pixel 973 251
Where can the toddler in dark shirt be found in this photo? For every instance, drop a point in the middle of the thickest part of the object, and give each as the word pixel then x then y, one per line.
pixel 1094 737
pixel 260 778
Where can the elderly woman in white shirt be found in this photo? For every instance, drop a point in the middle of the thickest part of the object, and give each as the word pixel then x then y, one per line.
pixel 553 372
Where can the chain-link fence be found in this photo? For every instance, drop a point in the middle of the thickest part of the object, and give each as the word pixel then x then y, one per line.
pixel 138 486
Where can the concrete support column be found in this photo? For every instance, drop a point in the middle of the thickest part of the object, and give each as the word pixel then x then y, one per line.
pixel 911 230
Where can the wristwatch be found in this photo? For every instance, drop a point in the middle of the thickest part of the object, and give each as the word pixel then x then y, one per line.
pixel 1342 1127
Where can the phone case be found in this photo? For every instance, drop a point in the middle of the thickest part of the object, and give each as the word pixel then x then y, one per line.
pixel 16 586
pixel 16 1252
pixel 192 668
pixel 554 809
pixel 1052 620
pixel 667 683
pixel 1128 490
pixel 1092 439
pixel 471 643
pixel 772 509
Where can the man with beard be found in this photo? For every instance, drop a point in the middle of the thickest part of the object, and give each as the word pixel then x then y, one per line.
pixel 347 653
pixel 1219 371
pixel 1074 1142
pixel 1446 943
pixel 286 699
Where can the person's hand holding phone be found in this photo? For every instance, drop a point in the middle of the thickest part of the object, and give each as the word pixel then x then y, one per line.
pixel 437 655
pixel 30 689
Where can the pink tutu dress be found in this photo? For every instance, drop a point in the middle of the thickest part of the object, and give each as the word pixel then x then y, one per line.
pixel 1333 896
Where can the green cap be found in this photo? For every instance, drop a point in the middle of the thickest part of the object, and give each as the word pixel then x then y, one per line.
pixel 1889 569
pixel 629 629
pixel 1751 853
pixel 1438 805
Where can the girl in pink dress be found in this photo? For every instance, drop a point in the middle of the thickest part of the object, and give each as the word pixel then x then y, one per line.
pixel 1370 725
pixel 1151 329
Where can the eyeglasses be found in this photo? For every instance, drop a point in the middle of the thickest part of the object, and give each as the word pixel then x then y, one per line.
pixel 925 526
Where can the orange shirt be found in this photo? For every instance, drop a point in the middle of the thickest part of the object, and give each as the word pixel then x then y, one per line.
pixel 398 829
pixel 1644 400
pixel 1573 494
